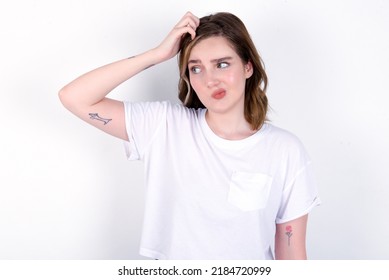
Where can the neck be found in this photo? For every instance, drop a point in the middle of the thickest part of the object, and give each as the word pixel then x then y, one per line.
pixel 229 127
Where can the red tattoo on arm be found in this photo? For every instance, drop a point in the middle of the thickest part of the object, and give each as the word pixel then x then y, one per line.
pixel 289 233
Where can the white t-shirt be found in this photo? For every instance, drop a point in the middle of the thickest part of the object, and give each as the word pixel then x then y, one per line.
pixel 212 198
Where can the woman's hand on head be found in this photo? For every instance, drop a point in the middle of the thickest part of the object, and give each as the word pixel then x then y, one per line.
pixel 171 44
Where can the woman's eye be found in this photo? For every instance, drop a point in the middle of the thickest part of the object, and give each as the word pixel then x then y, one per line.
pixel 222 65
pixel 195 69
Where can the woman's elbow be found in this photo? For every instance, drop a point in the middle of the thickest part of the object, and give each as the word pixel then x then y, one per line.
pixel 65 95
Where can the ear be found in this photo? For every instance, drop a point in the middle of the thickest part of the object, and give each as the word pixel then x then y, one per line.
pixel 248 69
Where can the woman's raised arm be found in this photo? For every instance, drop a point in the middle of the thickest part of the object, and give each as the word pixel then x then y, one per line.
pixel 86 96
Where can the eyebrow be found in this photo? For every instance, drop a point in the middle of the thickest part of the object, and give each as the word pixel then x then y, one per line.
pixel 196 61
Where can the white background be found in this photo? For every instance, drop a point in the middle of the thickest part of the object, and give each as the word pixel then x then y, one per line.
pixel 67 190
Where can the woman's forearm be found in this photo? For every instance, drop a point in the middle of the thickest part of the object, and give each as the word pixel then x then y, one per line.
pixel 93 86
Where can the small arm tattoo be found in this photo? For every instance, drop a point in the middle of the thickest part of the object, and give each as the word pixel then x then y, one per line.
pixel 289 233
pixel 95 116
pixel 149 67
pixel 144 68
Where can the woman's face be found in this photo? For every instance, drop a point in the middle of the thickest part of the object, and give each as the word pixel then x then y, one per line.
pixel 218 75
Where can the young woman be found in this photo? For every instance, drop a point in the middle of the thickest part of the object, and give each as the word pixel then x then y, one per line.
pixel 222 183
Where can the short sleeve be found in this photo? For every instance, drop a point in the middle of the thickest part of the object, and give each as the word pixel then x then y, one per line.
pixel 142 120
pixel 299 196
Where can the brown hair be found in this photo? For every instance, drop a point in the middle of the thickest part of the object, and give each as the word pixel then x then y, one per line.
pixel 231 28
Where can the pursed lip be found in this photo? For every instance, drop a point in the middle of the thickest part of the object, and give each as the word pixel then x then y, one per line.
pixel 219 93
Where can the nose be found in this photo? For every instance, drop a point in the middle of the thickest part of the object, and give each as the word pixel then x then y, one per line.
pixel 211 79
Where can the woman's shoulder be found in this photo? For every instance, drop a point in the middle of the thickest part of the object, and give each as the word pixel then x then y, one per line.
pixel 283 138
pixel 173 111
pixel 178 109
pixel 164 105
pixel 281 133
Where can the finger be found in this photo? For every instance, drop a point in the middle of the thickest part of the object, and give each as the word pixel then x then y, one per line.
pixel 196 21
pixel 191 31
pixel 188 23
pixel 190 19
pixel 188 28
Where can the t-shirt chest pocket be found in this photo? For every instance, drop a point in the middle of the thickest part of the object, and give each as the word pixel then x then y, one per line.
pixel 249 191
